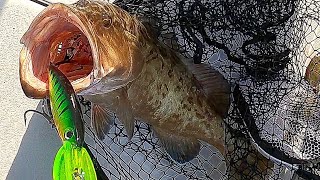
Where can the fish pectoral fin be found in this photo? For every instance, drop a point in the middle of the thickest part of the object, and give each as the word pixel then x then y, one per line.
pixel 215 87
pixel 124 114
pixel 73 162
pixel 101 120
pixel 181 149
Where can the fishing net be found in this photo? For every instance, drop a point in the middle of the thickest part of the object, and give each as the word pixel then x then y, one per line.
pixel 262 47
pixel 143 158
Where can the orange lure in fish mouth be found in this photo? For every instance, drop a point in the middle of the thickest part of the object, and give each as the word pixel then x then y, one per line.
pixel 57 36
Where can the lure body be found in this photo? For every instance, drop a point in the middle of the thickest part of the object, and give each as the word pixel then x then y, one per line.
pixel 65 108
pixel 72 161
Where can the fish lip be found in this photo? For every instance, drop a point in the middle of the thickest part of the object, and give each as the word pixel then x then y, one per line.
pixel 32 86
pixel 35 92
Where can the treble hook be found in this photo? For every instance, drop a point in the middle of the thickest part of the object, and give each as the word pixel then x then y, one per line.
pixel 43 113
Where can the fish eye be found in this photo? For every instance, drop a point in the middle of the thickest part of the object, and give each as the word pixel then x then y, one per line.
pixel 68 134
pixel 106 20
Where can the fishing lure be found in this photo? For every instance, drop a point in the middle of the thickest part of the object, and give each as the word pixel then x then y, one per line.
pixel 72 160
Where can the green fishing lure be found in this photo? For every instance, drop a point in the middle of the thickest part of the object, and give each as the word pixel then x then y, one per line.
pixel 72 161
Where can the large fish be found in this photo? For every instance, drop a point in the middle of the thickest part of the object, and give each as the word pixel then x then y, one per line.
pixel 113 60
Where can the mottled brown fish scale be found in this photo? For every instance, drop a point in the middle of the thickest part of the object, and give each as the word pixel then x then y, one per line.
pixel 179 108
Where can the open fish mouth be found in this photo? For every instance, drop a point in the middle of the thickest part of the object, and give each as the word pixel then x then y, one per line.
pixel 56 36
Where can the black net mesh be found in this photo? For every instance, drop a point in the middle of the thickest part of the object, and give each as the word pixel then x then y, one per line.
pixel 262 47
pixel 143 157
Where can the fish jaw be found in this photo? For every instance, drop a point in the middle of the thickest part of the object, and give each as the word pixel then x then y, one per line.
pixel 112 35
pixel 41 41
pixel 31 86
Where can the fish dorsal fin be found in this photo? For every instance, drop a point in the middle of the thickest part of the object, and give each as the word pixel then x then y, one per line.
pixel 101 120
pixel 214 86
pixel 180 148
pixel 151 26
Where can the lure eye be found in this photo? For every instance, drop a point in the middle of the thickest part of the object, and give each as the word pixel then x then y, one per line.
pixel 68 134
